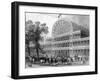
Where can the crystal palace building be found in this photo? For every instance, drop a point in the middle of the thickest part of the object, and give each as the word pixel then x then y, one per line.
pixel 68 39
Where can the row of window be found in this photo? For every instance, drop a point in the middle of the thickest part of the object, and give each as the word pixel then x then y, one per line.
pixel 68 52
pixel 84 42
pixel 68 44
pixel 62 38
pixel 75 36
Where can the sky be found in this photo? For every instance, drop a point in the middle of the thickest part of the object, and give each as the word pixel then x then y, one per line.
pixel 50 19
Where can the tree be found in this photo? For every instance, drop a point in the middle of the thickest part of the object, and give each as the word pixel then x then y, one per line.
pixel 34 34
pixel 29 28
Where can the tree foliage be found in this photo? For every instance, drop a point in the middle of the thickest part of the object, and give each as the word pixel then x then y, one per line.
pixel 33 34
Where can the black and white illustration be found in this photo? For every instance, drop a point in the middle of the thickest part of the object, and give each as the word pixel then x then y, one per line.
pixel 53 40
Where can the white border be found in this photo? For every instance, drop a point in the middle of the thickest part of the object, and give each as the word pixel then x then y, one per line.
pixel 53 70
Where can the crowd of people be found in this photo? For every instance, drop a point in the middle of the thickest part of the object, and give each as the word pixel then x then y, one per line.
pixel 55 61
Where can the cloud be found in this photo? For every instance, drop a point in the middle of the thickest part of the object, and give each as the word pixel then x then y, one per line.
pixel 78 19
pixel 81 20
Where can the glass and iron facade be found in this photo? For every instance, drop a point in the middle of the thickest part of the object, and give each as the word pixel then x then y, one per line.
pixel 74 42
pixel 68 45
